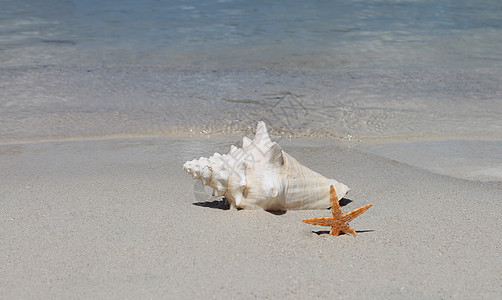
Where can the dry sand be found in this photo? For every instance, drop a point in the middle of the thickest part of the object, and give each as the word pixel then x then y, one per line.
pixel 120 219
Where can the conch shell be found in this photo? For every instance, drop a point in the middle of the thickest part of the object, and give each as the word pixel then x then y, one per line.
pixel 262 175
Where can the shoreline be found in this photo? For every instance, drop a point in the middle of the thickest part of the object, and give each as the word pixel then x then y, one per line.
pixel 193 132
pixel 367 109
pixel 430 154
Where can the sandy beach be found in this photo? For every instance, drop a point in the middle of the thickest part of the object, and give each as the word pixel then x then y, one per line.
pixel 102 102
pixel 120 219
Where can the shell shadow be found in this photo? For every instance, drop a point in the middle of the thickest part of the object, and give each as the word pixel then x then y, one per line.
pixel 202 199
pixel 276 212
pixel 223 205
pixel 217 204
pixel 344 201
pixel 320 232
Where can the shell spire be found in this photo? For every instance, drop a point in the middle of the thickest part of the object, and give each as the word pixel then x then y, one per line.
pixel 262 175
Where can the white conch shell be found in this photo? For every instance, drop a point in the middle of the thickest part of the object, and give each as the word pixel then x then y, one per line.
pixel 262 175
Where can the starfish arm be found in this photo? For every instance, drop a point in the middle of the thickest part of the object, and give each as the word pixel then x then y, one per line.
pixel 355 213
pixel 323 221
pixel 335 206
pixel 348 230
pixel 335 230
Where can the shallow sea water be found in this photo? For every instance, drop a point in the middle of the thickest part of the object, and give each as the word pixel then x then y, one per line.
pixel 358 71
pixel 277 34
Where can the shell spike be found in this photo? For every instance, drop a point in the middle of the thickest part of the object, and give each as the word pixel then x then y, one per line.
pixel 246 142
pixel 261 137
pixel 274 155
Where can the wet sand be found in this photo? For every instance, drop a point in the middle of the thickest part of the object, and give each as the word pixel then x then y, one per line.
pixel 119 218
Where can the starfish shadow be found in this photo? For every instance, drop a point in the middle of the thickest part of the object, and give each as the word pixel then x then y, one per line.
pixel 320 232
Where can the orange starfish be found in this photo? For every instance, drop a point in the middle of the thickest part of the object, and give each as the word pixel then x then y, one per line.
pixel 338 222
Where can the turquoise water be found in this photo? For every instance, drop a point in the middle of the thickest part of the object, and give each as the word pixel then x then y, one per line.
pixel 361 72
pixel 294 34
